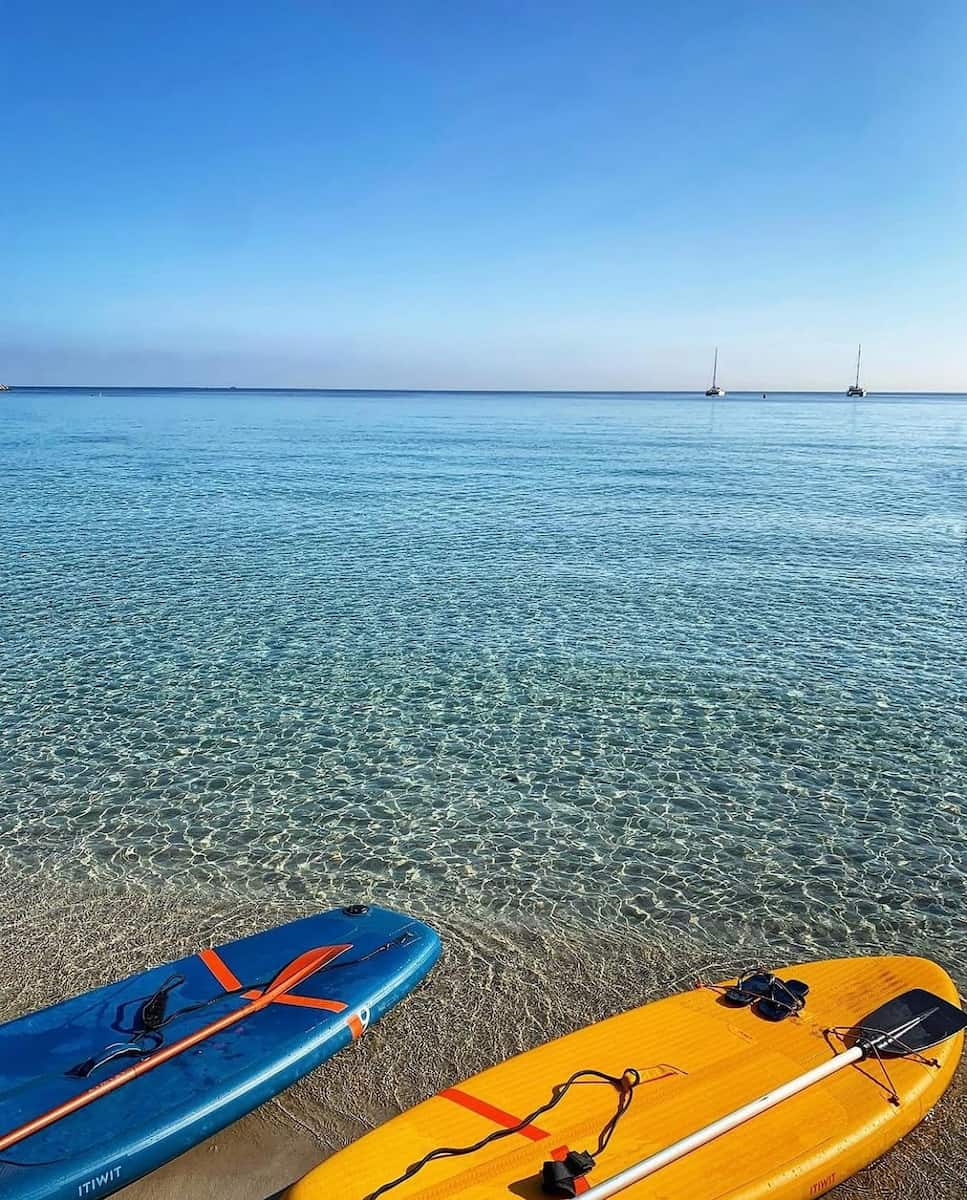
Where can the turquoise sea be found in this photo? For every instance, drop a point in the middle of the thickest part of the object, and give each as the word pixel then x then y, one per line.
pixel 591 661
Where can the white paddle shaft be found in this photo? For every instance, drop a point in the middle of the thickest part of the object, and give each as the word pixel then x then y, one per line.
pixel 701 1137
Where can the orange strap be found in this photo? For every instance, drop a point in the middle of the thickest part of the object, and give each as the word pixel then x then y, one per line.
pixel 221 970
pixel 231 983
pixel 497 1115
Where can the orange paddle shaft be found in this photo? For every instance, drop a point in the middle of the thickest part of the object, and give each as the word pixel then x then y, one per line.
pixel 295 973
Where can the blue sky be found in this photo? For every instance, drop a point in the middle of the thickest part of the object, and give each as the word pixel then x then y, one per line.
pixel 494 194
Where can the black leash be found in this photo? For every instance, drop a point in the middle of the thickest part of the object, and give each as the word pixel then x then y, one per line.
pixel 557 1178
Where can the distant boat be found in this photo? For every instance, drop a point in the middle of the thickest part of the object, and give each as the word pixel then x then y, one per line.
pixel 855 389
pixel 4 387
pixel 715 390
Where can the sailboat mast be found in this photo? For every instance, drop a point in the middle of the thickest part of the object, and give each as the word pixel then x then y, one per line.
pixel 715 366
pixel 859 351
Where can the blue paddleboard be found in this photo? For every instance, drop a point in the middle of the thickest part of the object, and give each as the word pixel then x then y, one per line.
pixel 54 1057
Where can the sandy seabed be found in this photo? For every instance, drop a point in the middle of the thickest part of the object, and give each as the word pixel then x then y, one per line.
pixel 513 986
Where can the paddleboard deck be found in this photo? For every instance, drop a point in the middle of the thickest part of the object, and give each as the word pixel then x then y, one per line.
pixel 377 957
pixel 698 1059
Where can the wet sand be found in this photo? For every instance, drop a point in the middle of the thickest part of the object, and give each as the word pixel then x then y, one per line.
pixel 511 985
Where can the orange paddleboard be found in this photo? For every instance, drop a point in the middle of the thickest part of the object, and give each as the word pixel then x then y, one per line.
pixel 698 1059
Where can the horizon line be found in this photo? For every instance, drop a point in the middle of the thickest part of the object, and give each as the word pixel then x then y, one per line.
pixel 757 393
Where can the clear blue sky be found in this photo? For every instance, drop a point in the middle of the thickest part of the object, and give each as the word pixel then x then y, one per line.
pixel 484 194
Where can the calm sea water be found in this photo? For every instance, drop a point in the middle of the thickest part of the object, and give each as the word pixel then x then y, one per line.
pixel 653 660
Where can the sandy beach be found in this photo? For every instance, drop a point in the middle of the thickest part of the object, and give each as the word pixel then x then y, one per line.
pixel 493 979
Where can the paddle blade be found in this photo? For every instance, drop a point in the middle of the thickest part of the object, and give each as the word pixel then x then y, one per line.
pixel 301 968
pixel 910 1024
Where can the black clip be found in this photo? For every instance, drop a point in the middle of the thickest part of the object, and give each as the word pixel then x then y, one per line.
pixel 560 1178
pixel 153 1011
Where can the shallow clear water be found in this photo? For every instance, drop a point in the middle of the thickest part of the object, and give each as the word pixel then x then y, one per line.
pixel 645 659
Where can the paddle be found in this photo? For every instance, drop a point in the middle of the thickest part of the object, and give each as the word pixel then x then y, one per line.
pixel 290 976
pixel 908 1024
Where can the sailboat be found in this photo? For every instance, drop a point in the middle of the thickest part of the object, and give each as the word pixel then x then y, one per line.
pixel 715 390
pixel 855 389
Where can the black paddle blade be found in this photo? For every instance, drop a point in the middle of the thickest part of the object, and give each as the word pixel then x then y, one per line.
pixel 909 1024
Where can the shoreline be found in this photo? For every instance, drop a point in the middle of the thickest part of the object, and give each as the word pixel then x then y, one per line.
pixel 486 970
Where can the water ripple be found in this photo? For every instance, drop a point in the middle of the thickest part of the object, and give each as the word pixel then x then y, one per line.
pixel 619 660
